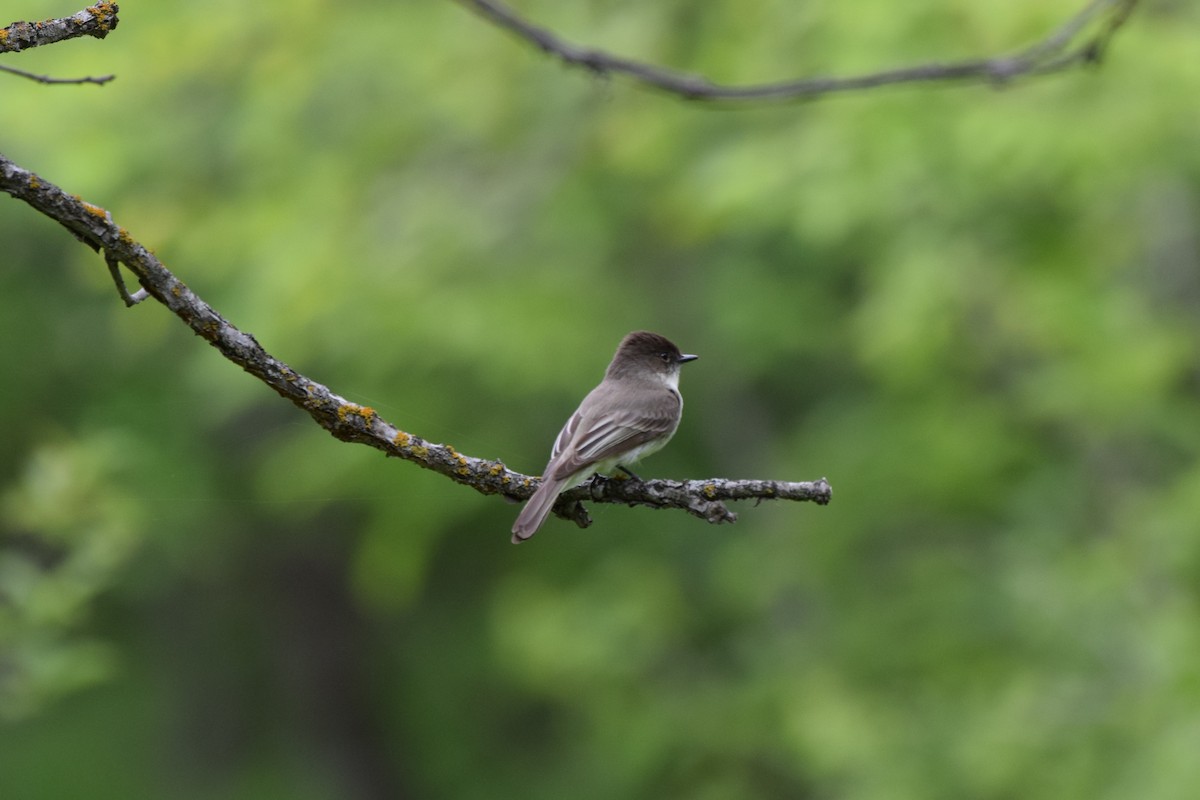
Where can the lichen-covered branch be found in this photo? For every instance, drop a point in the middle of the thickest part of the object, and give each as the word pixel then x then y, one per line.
pixel 1063 48
pixel 700 498
pixel 95 20
pixel 354 423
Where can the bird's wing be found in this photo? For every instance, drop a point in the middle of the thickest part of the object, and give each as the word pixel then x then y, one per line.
pixel 588 439
pixel 565 436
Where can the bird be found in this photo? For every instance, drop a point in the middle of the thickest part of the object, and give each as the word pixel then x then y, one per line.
pixel 633 412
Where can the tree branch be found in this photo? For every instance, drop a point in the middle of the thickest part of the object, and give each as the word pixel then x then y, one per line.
pixel 46 79
pixel 354 423
pixel 1052 54
pixel 95 20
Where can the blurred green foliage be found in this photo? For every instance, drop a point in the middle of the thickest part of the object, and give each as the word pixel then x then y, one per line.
pixel 974 311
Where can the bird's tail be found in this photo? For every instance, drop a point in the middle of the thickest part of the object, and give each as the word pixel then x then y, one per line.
pixel 536 510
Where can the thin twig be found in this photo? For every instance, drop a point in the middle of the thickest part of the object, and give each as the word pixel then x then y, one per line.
pixel 49 80
pixel 1052 54
pixel 114 269
pixel 354 423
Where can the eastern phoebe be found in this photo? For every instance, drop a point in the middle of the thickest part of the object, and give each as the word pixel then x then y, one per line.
pixel 632 413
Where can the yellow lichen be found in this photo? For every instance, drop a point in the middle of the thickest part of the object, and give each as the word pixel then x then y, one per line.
pixel 710 491
pixel 95 211
pixel 102 12
pixel 401 439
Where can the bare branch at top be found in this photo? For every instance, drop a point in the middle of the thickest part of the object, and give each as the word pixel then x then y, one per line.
pixel 1063 48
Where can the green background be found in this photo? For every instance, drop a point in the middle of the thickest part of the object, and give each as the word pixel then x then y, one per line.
pixel 974 311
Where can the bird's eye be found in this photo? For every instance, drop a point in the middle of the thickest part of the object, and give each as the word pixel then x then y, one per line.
pixel 666 357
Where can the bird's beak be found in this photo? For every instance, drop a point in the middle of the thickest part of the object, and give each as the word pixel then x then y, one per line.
pixel 685 358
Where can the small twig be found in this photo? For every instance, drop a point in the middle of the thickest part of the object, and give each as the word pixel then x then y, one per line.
pixel 103 79
pixel 95 20
pixel 354 423
pixel 1051 54
pixel 1099 45
pixel 114 269
pixel 1065 33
